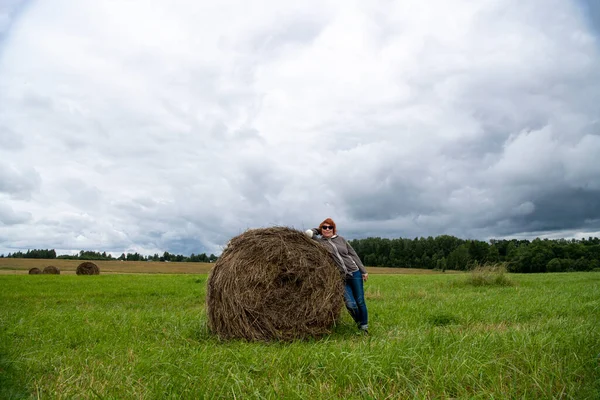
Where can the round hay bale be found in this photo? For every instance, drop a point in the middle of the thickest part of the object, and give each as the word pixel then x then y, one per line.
pixel 273 284
pixel 88 268
pixel 35 271
pixel 51 269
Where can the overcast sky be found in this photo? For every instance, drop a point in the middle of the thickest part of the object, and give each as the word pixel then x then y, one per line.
pixel 156 126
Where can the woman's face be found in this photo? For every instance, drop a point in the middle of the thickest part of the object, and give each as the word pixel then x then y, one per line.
pixel 326 230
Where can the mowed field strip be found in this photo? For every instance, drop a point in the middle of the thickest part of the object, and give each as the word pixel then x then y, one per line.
pixel 22 265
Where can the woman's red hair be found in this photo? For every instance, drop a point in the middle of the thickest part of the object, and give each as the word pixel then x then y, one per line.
pixel 328 221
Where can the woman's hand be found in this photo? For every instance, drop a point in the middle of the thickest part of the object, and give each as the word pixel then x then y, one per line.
pixel 311 232
pixel 365 277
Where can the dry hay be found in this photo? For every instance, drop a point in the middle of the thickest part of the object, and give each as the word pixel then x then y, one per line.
pixel 88 268
pixel 51 269
pixel 273 284
pixel 35 271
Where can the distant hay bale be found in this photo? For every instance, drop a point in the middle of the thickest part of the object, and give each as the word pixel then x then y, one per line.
pixel 51 269
pixel 35 271
pixel 273 284
pixel 88 268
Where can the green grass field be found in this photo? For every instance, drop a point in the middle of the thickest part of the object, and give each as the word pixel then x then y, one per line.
pixel 432 337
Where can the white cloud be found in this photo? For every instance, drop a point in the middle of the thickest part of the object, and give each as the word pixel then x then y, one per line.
pixel 149 126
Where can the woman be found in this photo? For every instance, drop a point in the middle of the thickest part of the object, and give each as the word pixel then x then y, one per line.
pixel 350 265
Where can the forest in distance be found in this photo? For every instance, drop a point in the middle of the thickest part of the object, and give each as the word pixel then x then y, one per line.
pixel 94 255
pixel 449 252
pixel 440 252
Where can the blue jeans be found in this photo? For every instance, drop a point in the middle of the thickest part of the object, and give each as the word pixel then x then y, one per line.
pixel 354 296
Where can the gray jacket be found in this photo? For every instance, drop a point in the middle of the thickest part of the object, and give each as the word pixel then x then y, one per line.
pixel 342 253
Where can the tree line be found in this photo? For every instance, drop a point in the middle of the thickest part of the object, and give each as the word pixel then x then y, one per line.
pixel 440 252
pixel 94 255
pixel 449 252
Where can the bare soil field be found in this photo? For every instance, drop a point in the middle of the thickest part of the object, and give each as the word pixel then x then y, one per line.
pixel 23 265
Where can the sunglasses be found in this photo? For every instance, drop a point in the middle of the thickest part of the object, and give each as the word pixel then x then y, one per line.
pixel 327 227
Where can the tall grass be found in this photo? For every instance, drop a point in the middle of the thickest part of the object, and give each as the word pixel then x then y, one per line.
pixel 489 275
pixel 145 336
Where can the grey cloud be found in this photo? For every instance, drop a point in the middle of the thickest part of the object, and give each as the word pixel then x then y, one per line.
pixel 385 198
pixel 522 190
pixel 172 227
pixel 591 9
pixel 10 217
pixel 19 182
pixel 81 194
pixel 147 211
pixel 72 231
pixel 9 139
pixel 38 102
pixel 4 21
pixel 563 208
pixel 8 11
pixel 255 180
pixel 293 31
